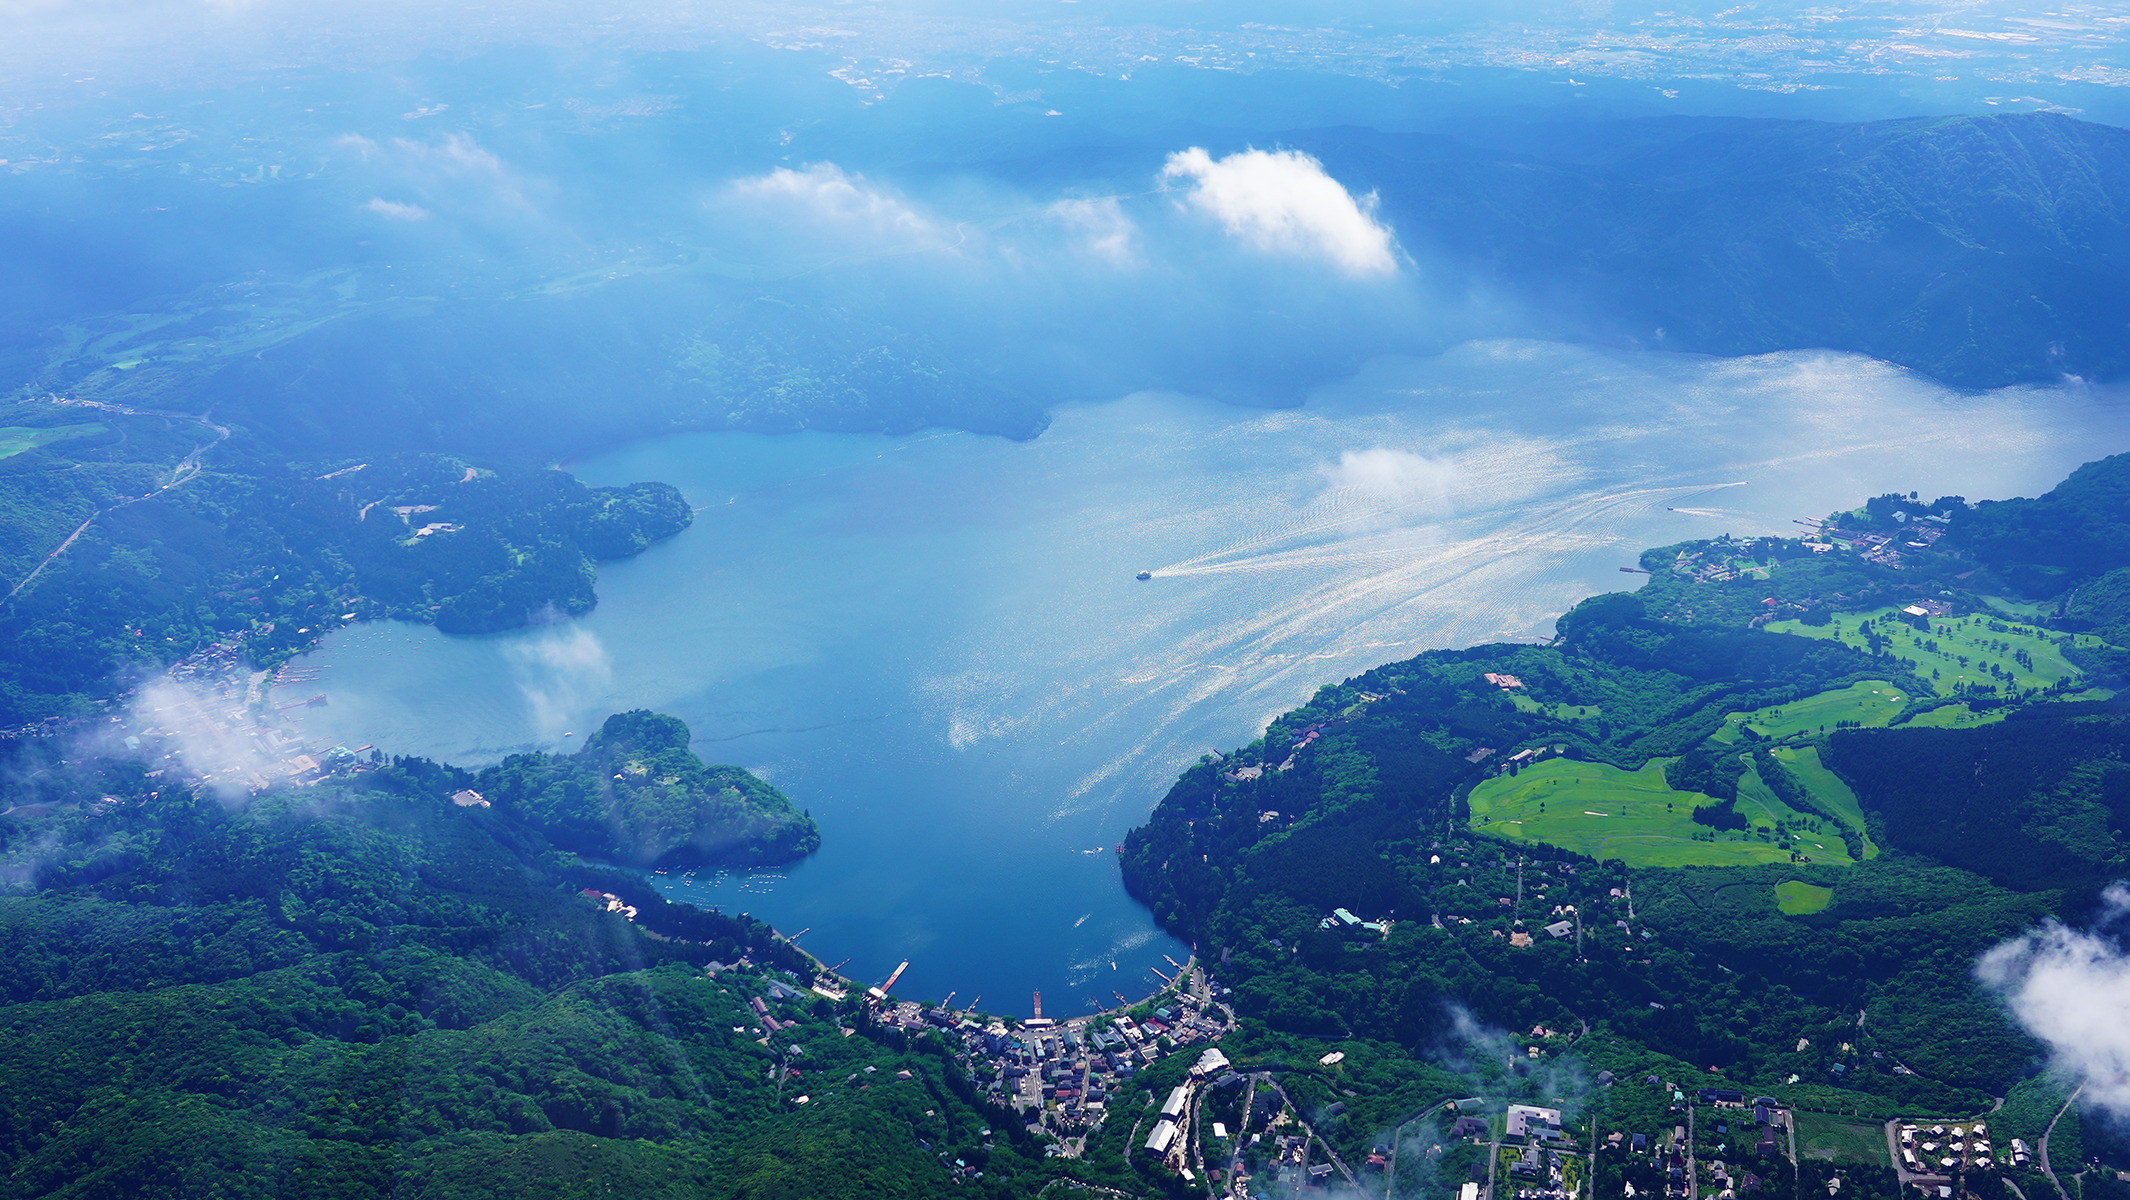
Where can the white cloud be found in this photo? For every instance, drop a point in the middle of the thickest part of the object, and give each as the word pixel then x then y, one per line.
pixel 364 148
pixel 2071 989
pixel 826 195
pixel 209 744
pixel 393 210
pixel 561 672
pixel 1100 228
pixel 457 154
pixel 1282 202
pixel 447 176
pixel 1393 478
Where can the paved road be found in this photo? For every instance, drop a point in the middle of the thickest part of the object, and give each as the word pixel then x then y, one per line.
pixel 2044 1146
pixel 1693 1184
pixel 1390 1181
pixel 187 468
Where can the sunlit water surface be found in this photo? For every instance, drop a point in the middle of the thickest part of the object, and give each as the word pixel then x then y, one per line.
pixel 936 644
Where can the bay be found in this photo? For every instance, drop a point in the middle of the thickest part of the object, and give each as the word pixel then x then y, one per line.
pixel 937 644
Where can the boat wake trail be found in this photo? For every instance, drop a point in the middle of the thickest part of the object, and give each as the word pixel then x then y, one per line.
pixel 1277 549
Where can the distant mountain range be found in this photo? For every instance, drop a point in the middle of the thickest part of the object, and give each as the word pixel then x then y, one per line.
pixel 1979 250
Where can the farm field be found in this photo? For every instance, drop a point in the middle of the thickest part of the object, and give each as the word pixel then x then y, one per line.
pixel 1629 816
pixel 14 439
pixel 1867 703
pixel 1995 652
pixel 1797 898
pixel 1827 788
pixel 1840 1139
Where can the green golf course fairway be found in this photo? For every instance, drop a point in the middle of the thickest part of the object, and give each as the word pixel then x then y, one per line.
pixel 1827 789
pixel 1971 637
pixel 1870 702
pixel 1608 813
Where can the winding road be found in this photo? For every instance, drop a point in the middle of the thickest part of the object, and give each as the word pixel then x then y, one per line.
pixel 2042 1148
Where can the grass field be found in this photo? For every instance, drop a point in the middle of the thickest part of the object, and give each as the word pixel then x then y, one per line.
pixel 1631 816
pixel 1840 1139
pixel 14 439
pixel 1871 702
pixel 1955 638
pixel 1566 712
pixel 1827 789
pixel 1956 716
pixel 1797 898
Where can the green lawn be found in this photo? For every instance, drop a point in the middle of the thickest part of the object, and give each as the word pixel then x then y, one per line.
pixel 1630 816
pixel 1840 1139
pixel 14 439
pixel 1955 638
pixel 1827 789
pixel 1797 898
pixel 1871 702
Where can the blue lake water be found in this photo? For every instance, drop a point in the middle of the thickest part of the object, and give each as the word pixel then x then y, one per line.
pixel 935 643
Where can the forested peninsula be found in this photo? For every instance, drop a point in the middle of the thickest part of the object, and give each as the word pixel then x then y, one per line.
pixel 1709 826
pixel 636 794
pixel 134 538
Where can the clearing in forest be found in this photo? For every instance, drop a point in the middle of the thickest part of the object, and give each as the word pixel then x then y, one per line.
pixel 14 439
pixel 1840 1139
pixel 1796 898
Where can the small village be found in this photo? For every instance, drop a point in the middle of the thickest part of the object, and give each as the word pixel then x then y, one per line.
pixel 213 718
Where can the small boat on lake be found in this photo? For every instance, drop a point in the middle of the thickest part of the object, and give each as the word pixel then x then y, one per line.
pixel 1145 575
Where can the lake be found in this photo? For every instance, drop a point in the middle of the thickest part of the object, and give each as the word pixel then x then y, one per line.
pixel 936 643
